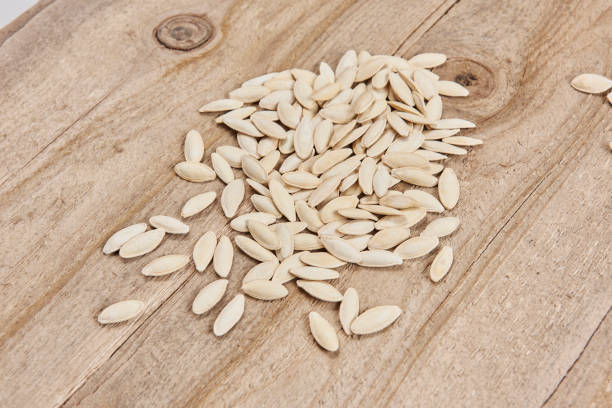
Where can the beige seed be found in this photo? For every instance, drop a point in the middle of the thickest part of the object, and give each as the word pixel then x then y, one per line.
pixel 265 204
pixel 272 100
pixel 452 124
pixel 269 161
pixel 248 144
pixel 222 168
pixel 433 108
pixel 253 169
pixel 223 257
pixel 169 224
pixel 322 136
pixel 323 332
pixel 194 146
pixel 303 93
pixel 441 227
pixel 165 265
pixel 291 163
pixel 263 235
pixel 232 197
pixel 379 258
pixel 209 296
pixel 281 274
pixel 344 168
pixel 366 175
pixel 415 176
pixel 327 187
pixel 363 102
pixel 382 144
pixel 357 227
pixel 349 309
pixel 314 273
pixel 431 156
pixel 282 199
pixel 448 188
pixel 375 319
pixel 321 260
pixel 349 182
pixel 303 75
pixel 450 88
pixel 398 124
pixel 375 110
pixel 288 115
pixel 240 223
pixel 340 248
pixel 425 200
pixel 357 214
pixel 308 215
pixel 142 243
pixel 348 60
pixel 261 271
pixel 416 247
pixel 229 316
pixel 198 203
pixel 301 179
pixel 329 159
pixel 232 154
pixel 268 127
pixel 462 141
pixel 196 172
pixel 221 105
pixel 423 84
pixel 330 229
pixel 240 113
pixel 253 249
pixel 399 201
pixel 249 94
pixel 242 126
pixel 266 145
pixel 368 69
pixel 381 180
pixel 374 132
pixel 359 242
pixel 353 136
pixel 341 131
pixel 121 311
pixel 203 250
pixel 341 113
pixel 122 236
pixel 306 242
pixel 389 238
pixel 427 60
pixel 435 134
pixel 327 92
pixel 441 264
pixel 441 147
pixel 329 212
pixel 285 237
pixel 265 290
pixel 320 290
pixel 380 209
pixel 591 83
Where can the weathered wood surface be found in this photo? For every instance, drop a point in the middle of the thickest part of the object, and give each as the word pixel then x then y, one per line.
pixel 92 115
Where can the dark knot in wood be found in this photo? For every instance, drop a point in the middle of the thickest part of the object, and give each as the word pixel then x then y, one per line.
pixel 184 32
pixel 475 76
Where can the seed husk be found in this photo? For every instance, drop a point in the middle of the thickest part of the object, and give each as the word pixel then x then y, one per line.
pixel 142 243
pixel 452 123
pixel 407 219
pixel 375 319
pixel 441 227
pixel 301 179
pixel 229 316
pixel 591 83
pixel 122 236
pixel 448 189
pixel 198 203
pixel 221 105
pixel 415 176
pixel 314 273
pixel 288 115
pixel 425 200
pixel 242 126
pixel 349 309
pixel 321 260
pixel 320 290
pixel 281 274
pixel 306 242
pixel 357 227
pixel 264 235
pixel 169 224
pixel 253 169
pixel 223 257
pixel 261 271
pixel 195 172
pixel 327 187
pixel 462 141
pixel 232 154
pixel 253 249
pixel 329 211
pixel 323 332
pixel 209 296
pixel 121 311
pixel 357 214
pixel 381 180
pixel 285 237
pixel 441 264
pixel 282 199
pixel 340 248
pixel 232 197
pixel 240 113
pixel 416 247
pixel 204 250
pixel 380 209
pixel 389 238
pixel 265 204
pixel 165 265
pixel 441 147
pixel 194 146
pixel 222 168
pixel 240 223
pixel 265 290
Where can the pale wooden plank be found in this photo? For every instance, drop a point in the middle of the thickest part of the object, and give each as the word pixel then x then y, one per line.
pixel 131 122
pixel 273 354
pixel 587 382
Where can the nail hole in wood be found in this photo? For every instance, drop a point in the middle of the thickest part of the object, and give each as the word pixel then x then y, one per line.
pixel 184 32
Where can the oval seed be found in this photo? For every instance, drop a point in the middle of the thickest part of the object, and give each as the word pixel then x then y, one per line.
pixel 375 319
pixel 209 296
pixel 165 265
pixel 121 311
pixel 323 332
pixel 229 316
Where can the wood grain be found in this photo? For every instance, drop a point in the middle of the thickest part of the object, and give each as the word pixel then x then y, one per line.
pixel 93 106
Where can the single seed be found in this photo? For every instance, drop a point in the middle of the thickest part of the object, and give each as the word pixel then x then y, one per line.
pixel 229 316
pixel 265 290
pixel 223 257
pixel 379 258
pixel 321 260
pixel 416 247
pixel 221 105
pixel 261 271
pixel 121 311
pixel 389 238
pixel 314 273
pixel 122 236
pixel 282 199
pixel 194 146
pixel 240 223
pixel 441 264
pixel 320 290
pixel 195 172
pixel 165 265
pixel 263 235
pixel 197 204
pixel 375 319
pixel 142 243
pixel 204 250
pixel 209 296
pixel 340 248
pixel 448 189
pixel 591 83
pixel 232 197
pixel 169 224
pixel 323 332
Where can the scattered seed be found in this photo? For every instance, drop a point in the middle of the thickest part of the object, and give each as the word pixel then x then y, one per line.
pixel 204 250
pixel 122 236
pixel 197 204
pixel 441 264
pixel 375 319
pixel 232 197
pixel 209 296
pixel 229 316
pixel 591 83
pixel 121 311
pixel 320 290
pixel 416 247
pixel 142 243
pixel 165 265
pixel 323 332
pixel 448 188
pixel 196 172
pixel 265 290
pixel 223 257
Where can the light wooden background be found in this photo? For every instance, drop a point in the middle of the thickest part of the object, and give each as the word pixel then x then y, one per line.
pixel 93 111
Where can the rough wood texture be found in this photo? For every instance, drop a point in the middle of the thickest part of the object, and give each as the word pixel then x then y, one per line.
pixel 93 113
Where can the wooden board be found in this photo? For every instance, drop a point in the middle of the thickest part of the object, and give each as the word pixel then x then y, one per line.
pixel 92 117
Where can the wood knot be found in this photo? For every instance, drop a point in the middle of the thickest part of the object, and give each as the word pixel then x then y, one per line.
pixel 184 32
pixel 473 75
